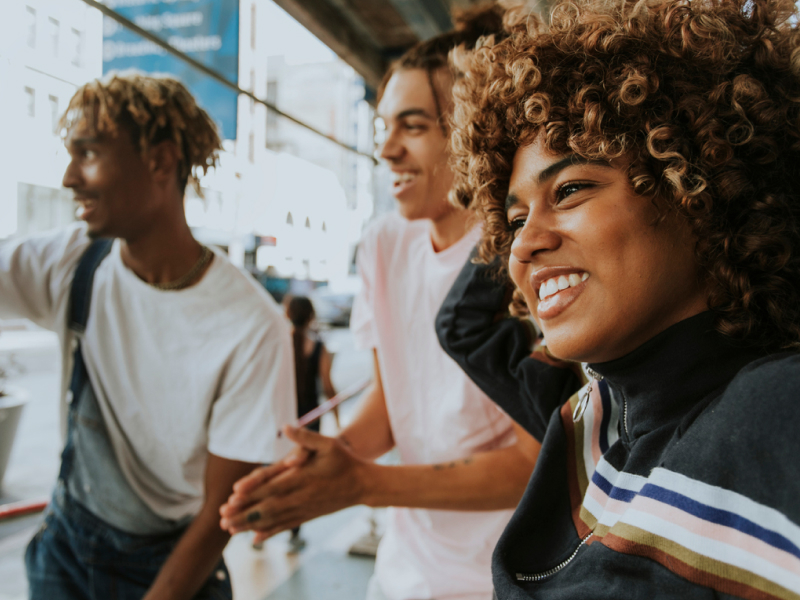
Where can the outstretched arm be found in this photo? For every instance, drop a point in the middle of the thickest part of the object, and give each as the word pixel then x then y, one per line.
pixel 497 351
pixel 333 474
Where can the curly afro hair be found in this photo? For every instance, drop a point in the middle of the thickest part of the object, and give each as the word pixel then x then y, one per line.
pixel 701 98
pixel 152 109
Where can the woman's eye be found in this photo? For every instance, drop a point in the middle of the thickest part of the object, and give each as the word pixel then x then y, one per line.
pixel 514 225
pixel 567 189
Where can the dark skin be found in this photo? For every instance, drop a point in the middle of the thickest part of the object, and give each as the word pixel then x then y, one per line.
pixel 133 197
pixel 200 548
pixel 136 197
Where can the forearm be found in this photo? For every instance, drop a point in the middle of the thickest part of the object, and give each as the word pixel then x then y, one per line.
pixel 486 481
pixel 368 436
pixel 497 351
pixel 192 560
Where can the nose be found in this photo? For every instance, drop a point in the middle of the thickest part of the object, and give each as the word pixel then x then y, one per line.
pixel 391 149
pixel 71 177
pixel 538 236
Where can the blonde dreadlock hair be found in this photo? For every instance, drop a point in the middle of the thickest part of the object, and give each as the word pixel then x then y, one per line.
pixel 152 109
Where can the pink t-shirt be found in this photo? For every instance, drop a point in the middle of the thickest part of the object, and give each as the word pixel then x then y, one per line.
pixel 437 414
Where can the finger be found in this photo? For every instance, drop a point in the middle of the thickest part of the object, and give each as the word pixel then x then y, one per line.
pixel 284 483
pixel 258 477
pixel 297 457
pixel 267 514
pixel 233 508
pixel 307 438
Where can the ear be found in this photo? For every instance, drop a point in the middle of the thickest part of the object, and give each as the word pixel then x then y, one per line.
pixel 164 159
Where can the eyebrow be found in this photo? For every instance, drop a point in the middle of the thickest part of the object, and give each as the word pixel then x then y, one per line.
pixel 511 200
pixel 413 112
pixel 567 161
pixel 84 141
pixel 555 169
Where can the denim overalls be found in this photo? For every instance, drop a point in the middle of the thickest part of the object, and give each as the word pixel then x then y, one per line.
pixel 84 549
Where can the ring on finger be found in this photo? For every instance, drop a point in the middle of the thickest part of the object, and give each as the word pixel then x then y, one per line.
pixel 254 516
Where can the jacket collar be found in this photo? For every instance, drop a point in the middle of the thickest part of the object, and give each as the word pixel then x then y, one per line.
pixel 668 375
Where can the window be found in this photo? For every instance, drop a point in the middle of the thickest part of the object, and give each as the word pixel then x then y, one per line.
pixel 76 45
pixel 308 223
pixel 251 147
pixel 252 89
pixel 52 30
pixel 289 220
pixel 253 26
pixel 30 22
pixel 323 226
pixel 54 113
pixel 30 101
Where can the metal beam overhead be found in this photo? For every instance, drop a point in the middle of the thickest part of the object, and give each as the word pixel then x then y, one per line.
pixel 427 18
pixel 324 20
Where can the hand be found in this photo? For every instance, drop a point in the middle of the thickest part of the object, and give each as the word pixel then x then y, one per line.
pixel 321 476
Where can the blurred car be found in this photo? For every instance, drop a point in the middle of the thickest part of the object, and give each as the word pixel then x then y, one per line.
pixel 332 308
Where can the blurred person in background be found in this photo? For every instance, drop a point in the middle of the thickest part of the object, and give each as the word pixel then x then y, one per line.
pixel 464 461
pixel 312 365
pixel 174 361
pixel 635 166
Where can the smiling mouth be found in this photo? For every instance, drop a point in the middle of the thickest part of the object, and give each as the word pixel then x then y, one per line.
pixel 403 178
pixel 555 285
pixel 85 206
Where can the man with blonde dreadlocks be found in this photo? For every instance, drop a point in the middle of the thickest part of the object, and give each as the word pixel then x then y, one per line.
pixel 175 362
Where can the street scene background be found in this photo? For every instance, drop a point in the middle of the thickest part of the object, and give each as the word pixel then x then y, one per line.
pixel 286 205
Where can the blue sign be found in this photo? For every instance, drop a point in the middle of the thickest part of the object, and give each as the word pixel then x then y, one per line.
pixel 206 30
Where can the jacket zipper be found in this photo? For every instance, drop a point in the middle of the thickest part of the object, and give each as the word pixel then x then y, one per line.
pixel 577 414
pixel 625 417
pixel 536 577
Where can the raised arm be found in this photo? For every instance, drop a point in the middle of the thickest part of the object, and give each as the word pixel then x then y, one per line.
pixel 498 351
pixel 36 272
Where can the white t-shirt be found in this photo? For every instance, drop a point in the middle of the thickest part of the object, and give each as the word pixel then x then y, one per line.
pixel 437 414
pixel 177 374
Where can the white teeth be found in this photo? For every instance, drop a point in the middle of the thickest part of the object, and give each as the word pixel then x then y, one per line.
pixel 562 282
pixel 404 177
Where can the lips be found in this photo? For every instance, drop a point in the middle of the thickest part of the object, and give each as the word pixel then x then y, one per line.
pixel 557 288
pixel 86 207
pixel 403 180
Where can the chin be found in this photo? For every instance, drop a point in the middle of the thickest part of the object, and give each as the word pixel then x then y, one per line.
pixel 96 231
pixel 410 211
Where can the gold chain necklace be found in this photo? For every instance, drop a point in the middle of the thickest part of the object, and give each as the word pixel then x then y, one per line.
pixel 182 282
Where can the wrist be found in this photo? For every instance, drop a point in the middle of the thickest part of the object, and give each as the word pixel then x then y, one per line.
pixel 369 484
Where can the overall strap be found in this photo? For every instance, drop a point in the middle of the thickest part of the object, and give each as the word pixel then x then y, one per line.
pixel 80 296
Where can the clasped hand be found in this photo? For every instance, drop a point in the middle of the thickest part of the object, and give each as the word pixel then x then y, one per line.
pixel 319 476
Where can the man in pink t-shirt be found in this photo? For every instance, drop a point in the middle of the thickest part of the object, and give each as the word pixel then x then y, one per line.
pixel 464 464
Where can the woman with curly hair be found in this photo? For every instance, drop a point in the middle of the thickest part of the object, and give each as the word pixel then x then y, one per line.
pixel 636 167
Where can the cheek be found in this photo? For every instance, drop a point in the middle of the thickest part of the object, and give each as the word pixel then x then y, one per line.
pixel 519 275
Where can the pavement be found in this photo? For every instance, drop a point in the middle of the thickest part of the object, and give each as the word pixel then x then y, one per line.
pixel 323 570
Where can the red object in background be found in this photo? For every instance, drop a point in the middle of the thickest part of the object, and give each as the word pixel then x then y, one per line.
pixel 18 509
pixel 268 240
